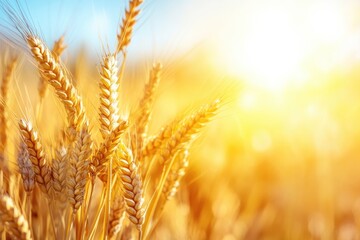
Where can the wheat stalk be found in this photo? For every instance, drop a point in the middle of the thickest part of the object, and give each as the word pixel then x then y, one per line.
pixel 25 168
pixel 109 110
pixel 127 26
pixel 13 220
pixel 77 175
pixel 37 157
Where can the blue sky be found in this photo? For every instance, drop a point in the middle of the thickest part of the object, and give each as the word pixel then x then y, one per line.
pixel 170 25
pixel 255 39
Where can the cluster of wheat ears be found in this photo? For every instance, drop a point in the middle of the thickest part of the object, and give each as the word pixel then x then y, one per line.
pixel 87 188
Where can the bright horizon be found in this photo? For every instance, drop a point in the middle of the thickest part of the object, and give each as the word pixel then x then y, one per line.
pixel 271 44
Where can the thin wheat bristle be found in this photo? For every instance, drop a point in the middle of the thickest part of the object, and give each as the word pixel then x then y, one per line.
pixel 144 110
pixel 109 110
pixel 26 168
pixel 57 50
pixel 79 163
pixel 4 91
pixel 13 220
pixel 37 157
pixel 187 130
pixel 132 186
pixel 127 25
pixel 54 73
pixel 59 169
pixel 117 216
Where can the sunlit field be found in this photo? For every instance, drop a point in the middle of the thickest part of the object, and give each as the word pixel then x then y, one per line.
pixel 185 119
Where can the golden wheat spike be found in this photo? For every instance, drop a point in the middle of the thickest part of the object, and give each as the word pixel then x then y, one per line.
pixel 127 25
pixel 132 186
pixel 107 148
pixel 117 216
pixel 13 220
pixel 59 170
pixel 177 172
pixel 37 157
pixel 57 50
pixel 77 173
pixel 143 114
pixel 59 47
pixel 54 73
pixel 109 109
pixel 26 168
pixel 154 143
pixel 187 130
pixel 4 91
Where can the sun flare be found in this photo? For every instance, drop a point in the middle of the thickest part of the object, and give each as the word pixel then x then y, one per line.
pixel 274 46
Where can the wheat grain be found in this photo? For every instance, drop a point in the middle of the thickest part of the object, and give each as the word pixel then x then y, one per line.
pixel 37 157
pixel 13 220
pixel 25 168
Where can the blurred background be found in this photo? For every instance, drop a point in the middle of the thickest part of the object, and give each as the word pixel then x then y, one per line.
pixel 282 160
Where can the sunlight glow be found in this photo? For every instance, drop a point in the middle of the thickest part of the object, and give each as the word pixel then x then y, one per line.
pixel 274 47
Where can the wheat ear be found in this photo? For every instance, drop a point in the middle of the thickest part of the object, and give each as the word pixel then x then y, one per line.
pixel 77 175
pixel 154 143
pixel 4 90
pixel 56 75
pixel 132 186
pixel 143 114
pixel 25 168
pixel 107 148
pixel 127 25
pixel 187 130
pixel 12 218
pixel 109 110
pixel 57 50
pixel 117 216
pixel 176 173
pixel 59 47
pixel 37 157
pixel 59 169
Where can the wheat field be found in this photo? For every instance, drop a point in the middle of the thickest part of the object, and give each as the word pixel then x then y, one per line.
pixel 104 148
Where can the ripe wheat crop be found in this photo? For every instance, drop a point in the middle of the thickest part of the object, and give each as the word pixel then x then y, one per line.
pixel 81 185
